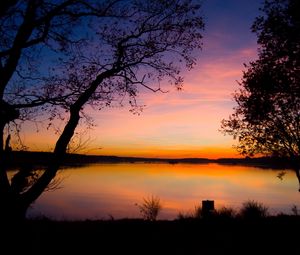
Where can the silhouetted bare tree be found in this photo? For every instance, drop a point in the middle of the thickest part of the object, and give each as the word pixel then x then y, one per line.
pixel 96 52
pixel 267 117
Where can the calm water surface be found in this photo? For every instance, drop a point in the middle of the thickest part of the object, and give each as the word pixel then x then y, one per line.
pixel 101 191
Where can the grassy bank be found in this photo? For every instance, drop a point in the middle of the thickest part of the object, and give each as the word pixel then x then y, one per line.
pixel 215 235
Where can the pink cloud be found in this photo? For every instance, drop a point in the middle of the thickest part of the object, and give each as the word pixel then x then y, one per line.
pixel 184 123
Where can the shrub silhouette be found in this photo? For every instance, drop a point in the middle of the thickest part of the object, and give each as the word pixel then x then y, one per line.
pixel 295 210
pixel 198 212
pixel 150 208
pixel 226 212
pixel 253 210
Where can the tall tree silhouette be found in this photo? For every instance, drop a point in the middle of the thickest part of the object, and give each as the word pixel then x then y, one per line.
pixel 267 117
pixel 94 52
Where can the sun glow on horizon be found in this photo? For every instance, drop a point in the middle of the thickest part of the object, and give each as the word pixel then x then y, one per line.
pixel 177 124
pixel 172 153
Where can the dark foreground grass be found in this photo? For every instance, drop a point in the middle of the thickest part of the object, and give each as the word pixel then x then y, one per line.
pixel 270 235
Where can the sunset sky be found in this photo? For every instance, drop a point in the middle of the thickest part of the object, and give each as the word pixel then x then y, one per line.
pixel 182 123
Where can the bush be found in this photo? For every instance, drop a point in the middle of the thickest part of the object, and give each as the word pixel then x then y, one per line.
pixel 150 208
pixel 253 210
pixel 295 210
pixel 226 212
pixel 198 212
pixel 201 213
pixel 185 216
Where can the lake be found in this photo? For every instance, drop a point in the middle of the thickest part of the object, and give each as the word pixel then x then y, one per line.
pixel 103 191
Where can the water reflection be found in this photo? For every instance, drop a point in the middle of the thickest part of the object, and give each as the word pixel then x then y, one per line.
pixel 112 190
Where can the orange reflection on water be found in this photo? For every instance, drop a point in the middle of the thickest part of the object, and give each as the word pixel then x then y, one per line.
pixel 105 190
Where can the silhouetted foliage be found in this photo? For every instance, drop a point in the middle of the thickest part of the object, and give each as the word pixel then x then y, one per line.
pixel 223 213
pixel 150 208
pixel 267 117
pixel 295 210
pixel 253 210
pixel 226 213
pixel 272 235
pixel 198 213
pixel 56 57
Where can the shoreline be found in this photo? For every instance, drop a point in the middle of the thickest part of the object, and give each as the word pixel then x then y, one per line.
pixel 21 158
pixel 130 236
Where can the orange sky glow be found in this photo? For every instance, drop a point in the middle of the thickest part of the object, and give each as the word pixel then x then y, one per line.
pixel 183 123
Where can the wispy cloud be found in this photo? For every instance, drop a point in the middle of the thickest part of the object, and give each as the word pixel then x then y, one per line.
pixel 186 123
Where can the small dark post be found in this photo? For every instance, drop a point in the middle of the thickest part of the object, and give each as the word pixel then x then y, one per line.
pixel 208 207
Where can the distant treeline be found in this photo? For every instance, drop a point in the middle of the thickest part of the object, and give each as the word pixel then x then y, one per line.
pixel 23 158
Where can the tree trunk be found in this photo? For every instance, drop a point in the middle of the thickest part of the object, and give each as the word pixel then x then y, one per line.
pixel 297 171
pixel 16 205
pixel 10 206
pixel 13 210
pixel 61 145
pixel 295 165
